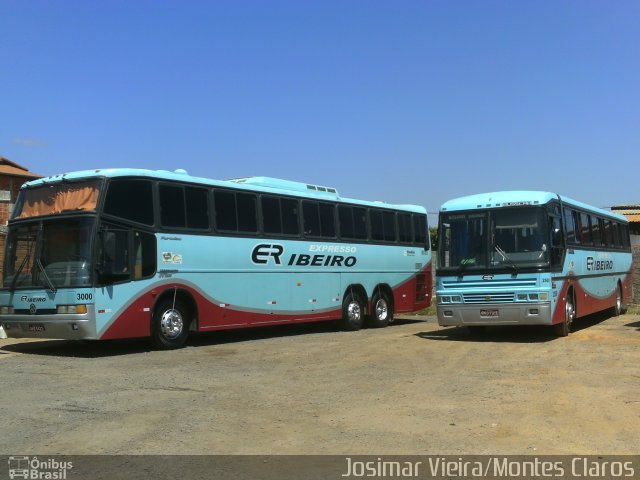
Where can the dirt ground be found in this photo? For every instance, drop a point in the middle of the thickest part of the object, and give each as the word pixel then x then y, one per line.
pixel 412 388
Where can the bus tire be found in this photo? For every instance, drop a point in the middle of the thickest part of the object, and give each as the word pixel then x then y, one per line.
pixel 352 312
pixel 618 309
pixel 563 328
pixel 381 311
pixel 170 324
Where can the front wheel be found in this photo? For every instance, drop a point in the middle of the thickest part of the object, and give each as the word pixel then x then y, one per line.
pixel 352 312
pixel 170 325
pixel 562 329
pixel 382 314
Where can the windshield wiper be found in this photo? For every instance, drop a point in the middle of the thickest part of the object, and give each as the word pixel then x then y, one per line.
pixel 19 271
pixel 505 257
pixel 50 284
pixel 464 264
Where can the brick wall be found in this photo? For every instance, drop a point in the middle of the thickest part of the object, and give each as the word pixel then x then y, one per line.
pixel 636 275
pixel 12 184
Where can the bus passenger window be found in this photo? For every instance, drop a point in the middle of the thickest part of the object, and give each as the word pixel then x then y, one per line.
pixel 131 200
pixel 225 208
pixel 289 213
pixel 345 219
pixel 327 220
pixel 197 202
pixel 377 228
pixel 420 230
pixel 405 233
pixel 271 219
pixel 595 230
pixel 247 213
pixel 172 212
pixel 585 230
pixel 389 222
pixel 570 226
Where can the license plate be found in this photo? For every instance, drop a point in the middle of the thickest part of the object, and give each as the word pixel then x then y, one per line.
pixel 489 313
pixel 36 327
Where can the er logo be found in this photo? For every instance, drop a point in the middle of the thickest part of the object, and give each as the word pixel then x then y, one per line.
pixel 263 251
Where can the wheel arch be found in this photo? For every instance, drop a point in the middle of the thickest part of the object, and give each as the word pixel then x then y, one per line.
pixel 385 289
pixel 185 298
pixel 359 290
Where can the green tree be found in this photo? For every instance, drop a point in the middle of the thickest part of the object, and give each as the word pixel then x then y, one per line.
pixel 433 233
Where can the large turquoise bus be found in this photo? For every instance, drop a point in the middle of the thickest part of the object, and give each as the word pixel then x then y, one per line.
pixel 529 258
pixel 123 253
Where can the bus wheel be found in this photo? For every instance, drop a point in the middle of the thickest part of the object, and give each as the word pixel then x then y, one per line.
pixel 562 329
pixel 170 326
pixel 617 310
pixel 382 313
pixel 352 312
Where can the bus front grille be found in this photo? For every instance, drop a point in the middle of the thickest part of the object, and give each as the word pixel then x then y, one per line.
pixel 502 297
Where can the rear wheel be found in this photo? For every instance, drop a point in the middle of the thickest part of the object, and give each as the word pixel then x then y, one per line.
pixel 562 329
pixel 170 325
pixel 352 312
pixel 382 313
pixel 618 308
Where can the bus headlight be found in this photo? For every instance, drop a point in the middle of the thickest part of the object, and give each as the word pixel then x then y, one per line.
pixel 456 299
pixel 6 310
pixel 444 299
pixel 73 309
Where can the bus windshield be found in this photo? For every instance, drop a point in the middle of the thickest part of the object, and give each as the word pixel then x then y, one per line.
pixel 508 238
pixel 57 198
pixel 49 254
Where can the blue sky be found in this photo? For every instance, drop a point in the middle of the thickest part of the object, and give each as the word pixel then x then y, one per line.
pixel 401 101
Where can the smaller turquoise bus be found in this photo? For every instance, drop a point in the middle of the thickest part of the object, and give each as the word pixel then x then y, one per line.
pixel 529 258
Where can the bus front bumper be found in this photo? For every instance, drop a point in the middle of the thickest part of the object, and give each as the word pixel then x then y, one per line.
pixel 70 326
pixel 495 314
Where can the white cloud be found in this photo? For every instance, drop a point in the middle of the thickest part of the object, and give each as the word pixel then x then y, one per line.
pixel 30 142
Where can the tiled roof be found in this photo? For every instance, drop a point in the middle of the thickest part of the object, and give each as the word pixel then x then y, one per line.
pixel 7 167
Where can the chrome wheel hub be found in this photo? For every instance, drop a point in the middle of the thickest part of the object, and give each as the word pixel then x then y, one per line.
pixel 354 311
pixel 570 313
pixel 171 323
pixel 382 310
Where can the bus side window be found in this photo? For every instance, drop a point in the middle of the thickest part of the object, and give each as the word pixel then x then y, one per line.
pixel 615 237
pixel 122 194
pixel 421 238
pixel 585 230
pixel 595 230
pixel 569 226
pixel 604 231
pixel 145 255
pixel 578 226
pixel 405 230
